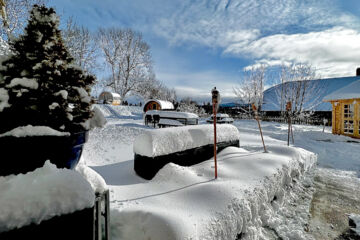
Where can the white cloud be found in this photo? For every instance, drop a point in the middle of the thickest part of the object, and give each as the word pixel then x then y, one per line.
pixel 218 23
pixel 334 52
pixel 198 85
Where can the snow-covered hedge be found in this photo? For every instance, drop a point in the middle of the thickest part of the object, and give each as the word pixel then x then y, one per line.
pixel 165 141
pixel 184 146
pixel 42 194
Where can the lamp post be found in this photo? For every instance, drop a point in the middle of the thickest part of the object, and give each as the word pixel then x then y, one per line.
pixel 215 101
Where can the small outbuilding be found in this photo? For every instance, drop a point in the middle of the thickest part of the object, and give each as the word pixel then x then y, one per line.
pixel 154 104
pixel 346 110
pixel 110 98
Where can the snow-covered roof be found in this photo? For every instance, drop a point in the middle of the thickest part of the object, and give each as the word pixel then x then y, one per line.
pixel 164 105
pixel 113 94
pixel 350 91
pixel 172 114
pixel 325 86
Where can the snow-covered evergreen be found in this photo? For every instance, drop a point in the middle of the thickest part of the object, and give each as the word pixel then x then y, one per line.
pixel 39 83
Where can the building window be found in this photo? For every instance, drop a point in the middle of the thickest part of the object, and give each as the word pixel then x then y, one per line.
pixel 348 110
pixel 349 126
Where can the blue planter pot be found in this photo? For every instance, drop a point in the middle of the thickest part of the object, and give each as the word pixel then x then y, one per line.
pixel 24 154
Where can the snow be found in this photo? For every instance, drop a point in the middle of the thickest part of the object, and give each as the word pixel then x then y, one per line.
pixel 172 114
pixel 84 95
pixel 63 93
pixel 356 220
pixel 30 130
pixel 24 82
pixel 54 105
pixel 165 141
pixel 260 195
pixel 98 120
pixel 4 98
pixel 170 122
pixel 96 181
pixel 350 91
pixel 41 195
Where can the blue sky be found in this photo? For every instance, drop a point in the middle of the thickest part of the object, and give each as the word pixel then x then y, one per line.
pixel 199 44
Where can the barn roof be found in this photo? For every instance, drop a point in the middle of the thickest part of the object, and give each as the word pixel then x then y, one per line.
pixel 165 105
pixel 350 91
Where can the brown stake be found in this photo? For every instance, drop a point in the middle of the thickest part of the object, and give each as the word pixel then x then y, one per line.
pixel 258 121
pixel 214 113
pixel 215 101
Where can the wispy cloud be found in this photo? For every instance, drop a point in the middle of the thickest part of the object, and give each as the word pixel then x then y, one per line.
pixel 334 52
pixel 211 22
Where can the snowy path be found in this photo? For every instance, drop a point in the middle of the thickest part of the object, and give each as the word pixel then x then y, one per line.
pixel 337 194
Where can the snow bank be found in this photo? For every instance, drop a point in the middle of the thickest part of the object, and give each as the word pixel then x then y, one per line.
pixel 165 141
pixel 41 195
pixel 30 130
pixel 250 197
pixel 96 181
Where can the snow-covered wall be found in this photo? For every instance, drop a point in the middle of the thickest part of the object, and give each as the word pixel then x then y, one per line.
pixel 165 141
pixel 42 194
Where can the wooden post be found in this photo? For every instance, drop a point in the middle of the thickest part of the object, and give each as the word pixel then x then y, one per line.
pixel 215 101
pixel 288 111
pixel 258 121
pixel 215 160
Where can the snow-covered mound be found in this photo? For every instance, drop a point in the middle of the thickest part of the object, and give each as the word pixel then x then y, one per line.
pixel 112 111
pixel 187 203
pixel 41 195
pixel 165 141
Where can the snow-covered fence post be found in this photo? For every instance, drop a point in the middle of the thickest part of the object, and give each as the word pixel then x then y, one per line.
pixel 215 101
pixel 257 119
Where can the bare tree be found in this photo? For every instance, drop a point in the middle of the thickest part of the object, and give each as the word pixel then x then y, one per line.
pixel 81 45
pixel 188 105
pixel 251 87
pixel 128 57
pixel 14 16
pixel 297 86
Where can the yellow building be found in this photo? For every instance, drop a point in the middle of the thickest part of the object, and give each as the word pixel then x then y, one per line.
pixel 346 110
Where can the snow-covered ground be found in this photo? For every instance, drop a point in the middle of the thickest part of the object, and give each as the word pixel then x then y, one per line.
pixel 257 195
